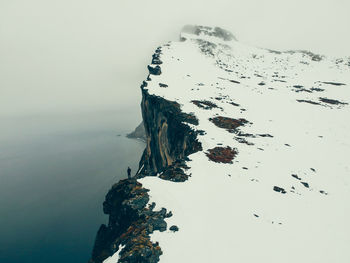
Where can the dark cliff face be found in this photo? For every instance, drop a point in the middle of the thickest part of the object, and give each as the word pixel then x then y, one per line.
pixel 169 138
pixel 131 221
pixel 169 141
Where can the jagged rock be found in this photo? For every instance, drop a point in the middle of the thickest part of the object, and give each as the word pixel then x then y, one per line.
pixel 130 224
pixel 154 70
pixel 162 85
pixel 173 125
pixel 138 133
pixel 168 134
pixel 169 214
pixel 156 57
pixel 221 154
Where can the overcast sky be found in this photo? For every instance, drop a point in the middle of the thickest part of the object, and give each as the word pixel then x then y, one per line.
pixel 76 55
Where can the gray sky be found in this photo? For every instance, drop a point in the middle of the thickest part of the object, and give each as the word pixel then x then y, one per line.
pixel 77 55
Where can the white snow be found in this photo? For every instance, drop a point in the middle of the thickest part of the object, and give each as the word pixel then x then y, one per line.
pixel 115 257
pixel 215 209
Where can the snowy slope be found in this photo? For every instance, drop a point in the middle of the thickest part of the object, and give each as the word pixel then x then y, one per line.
pixel 284 197
pixel 115 257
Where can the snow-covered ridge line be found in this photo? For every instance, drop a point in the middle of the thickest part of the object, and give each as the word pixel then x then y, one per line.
pixel 247 151
pixel 132 218
pixel 212 34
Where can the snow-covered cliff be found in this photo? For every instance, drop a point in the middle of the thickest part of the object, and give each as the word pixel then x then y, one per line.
pixel 248 152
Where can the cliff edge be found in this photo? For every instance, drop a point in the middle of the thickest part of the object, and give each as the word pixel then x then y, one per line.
pixel 246 158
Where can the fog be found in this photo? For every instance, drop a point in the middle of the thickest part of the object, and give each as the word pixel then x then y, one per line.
pixel 70 72
pixel 87 55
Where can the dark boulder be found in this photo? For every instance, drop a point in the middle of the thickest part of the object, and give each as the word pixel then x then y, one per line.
pixel 174 228
pixel 279 190
pixel 130 224
pixel 154 70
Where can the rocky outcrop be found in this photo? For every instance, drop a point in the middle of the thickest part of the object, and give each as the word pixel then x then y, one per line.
pixel 138 133
pixel 131 221
pixel 208 31
pixel 241 101
pixel 170 140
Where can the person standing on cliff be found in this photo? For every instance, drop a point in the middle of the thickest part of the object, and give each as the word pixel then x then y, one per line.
pixel 129 173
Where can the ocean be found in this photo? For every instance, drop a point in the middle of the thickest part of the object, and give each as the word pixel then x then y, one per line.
pixel 55 170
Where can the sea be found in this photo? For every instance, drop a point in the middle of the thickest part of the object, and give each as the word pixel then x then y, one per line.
pixel 55 170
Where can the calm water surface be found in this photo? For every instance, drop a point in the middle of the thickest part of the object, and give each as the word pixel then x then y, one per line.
pixel 54 174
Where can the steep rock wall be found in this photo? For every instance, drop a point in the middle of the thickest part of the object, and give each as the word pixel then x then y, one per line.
pixel 169 138
pixel 131 219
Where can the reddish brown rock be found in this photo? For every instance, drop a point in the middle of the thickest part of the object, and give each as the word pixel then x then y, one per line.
pixel 228 123
pixel 221 154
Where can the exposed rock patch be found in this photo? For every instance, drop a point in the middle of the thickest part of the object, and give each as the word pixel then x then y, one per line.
pixel 279 190
pixel 174 228
pixel 332 101
pixel 156 57
pixel 221 155
pixel 175 172
pixel 234 104
pixel 242 140
pixel 204 104
pixel 317 89
pixel 296 176
pixel 333 83
pixel 309 101
pixel 206 47
pixel 154 70
pixel 305 184
pixel 311 55
pixel 162 85
pixel 228 123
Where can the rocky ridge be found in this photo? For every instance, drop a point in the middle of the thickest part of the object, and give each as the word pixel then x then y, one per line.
pixel 255 135
pixel 138 133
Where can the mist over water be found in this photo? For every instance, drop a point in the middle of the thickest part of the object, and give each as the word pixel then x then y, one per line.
pixel 55 172
pixel 70 73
